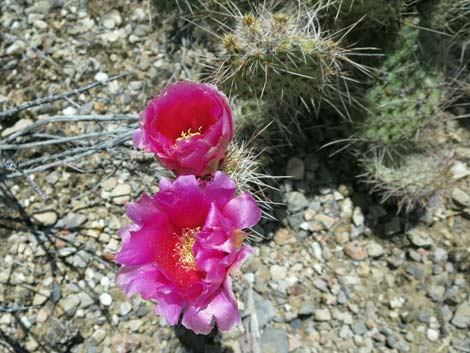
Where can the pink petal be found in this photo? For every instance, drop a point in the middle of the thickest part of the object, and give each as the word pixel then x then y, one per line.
pixel 243 254
pixel 224 308
pixel 139 249
pixel 221 189
pixel 183 201
pixel 192 157
pixel 145 211
pixel 139 279
pixel 200 321
pixel 216 231
pixel 170 307
pixel 215 263
pixel 243 211
pixel 126 231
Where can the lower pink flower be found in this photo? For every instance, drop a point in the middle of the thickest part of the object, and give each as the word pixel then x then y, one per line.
pixel 182 246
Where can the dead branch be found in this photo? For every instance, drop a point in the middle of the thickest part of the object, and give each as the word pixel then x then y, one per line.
pixel 13 167
pixel 55 97
pixel 70 118
pixel 60 140
pixel 75 154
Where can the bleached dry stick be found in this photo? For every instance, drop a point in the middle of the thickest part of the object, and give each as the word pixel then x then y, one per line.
pixel 70 118
pixel 75 154
pixel 55 97
pixel 59 140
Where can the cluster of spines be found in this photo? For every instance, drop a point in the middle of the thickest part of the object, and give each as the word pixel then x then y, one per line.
pixel 282 58
pixel 411 180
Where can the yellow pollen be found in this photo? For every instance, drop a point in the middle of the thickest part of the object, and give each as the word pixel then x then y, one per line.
pixel 184 248
pixel 186 135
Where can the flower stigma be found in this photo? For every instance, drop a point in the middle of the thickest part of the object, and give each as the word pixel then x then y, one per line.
pixel 184 248
pixel 186 135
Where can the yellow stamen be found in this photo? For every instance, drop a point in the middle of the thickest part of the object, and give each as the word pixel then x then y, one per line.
pixel 186 135
pixel 184 248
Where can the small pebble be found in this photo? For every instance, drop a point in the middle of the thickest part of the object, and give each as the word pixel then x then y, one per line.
pixel 106 299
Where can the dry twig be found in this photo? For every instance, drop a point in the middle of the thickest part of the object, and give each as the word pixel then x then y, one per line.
pixel 55 97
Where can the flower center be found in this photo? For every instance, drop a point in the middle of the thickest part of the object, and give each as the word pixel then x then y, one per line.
pixel 186 135
pixel 184 248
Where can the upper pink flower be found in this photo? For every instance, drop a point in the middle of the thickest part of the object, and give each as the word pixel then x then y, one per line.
pixel 188 127
pixel 182 246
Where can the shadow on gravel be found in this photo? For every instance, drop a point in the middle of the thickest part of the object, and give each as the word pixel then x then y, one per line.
pixel 62 336
pixel 194 343
pixel 327 169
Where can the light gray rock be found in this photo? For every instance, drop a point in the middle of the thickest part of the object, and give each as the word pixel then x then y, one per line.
pixel 106 299
pixel 460 170
pixel 17 48
pixel 358 217
pixel 436 293
pixel 98 336
pixel 374 249
pixel 46 218
pixel 295 168
pixel 278 272
pixel 121 194
pixel 40 25
pixel 52 178
pixel 345 332
pixel 460 197
pixel 20 124
pixel 135 85
pixel 125 308
pixel 81 258
pixel 141 30
pixel 67 251
pixel 307 309
pixel 265 311
pixel 296 201
pixel 70 304
pixel 274 341
pixel 85 300
pixel 461 317
pixel 323 314
pixel 432 334
pixel 420 238
pixel 74 220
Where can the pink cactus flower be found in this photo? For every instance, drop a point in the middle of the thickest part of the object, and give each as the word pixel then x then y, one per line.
pixel 188 127
pixel 184 243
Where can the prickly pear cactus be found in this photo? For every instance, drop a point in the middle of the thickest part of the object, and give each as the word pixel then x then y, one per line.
pixel 451 17
pixel 406 97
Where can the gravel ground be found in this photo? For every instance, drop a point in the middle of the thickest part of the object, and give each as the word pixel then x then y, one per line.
pixel 336 273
